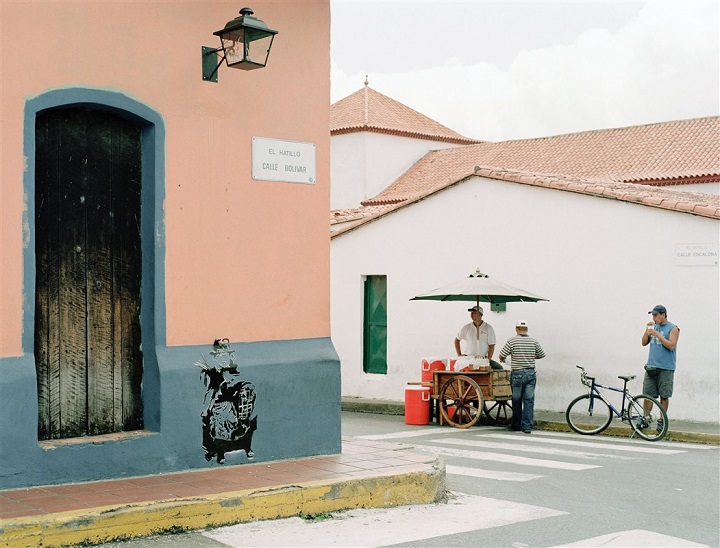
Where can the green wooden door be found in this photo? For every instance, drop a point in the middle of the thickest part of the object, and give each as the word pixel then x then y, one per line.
pixel 375 325
pixel 88 271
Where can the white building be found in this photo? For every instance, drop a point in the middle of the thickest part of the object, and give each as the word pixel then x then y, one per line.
pixel 603 250
pixel 375 139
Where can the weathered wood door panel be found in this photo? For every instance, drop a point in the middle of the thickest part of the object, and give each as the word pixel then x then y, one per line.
pixel 88 271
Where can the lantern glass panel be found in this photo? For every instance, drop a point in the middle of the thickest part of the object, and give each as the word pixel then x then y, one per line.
pixel 258 50
pixel 233 44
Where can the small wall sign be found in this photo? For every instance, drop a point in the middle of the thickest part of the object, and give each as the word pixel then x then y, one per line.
pixel 696 254
pixel 288 161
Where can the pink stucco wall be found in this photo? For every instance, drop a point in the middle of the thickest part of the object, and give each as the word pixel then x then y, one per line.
pixel 244 259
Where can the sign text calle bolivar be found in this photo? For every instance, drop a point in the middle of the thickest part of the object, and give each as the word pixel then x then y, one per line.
pixel 277 160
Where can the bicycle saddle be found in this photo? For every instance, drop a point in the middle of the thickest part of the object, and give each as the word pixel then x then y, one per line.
pixel 627 378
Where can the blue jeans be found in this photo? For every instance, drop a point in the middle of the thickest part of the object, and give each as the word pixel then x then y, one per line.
pixel 523 382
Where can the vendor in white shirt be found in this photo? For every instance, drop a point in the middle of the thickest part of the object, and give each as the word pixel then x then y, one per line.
pixel 478 338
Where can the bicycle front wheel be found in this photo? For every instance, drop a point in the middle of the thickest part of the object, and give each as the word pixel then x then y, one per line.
pixel 647 417
pixel 588 416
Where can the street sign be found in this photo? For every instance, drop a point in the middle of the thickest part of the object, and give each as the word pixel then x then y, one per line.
pixel 287 161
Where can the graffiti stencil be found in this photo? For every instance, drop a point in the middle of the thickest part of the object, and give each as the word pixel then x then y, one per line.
pixel 227 418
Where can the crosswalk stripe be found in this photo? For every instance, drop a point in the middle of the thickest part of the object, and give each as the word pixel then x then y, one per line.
pixel 502 457
pixel 685 445
pixel 533 449
pixel 597 445
pixel 634 537
pixel 489 474
pixel 384 526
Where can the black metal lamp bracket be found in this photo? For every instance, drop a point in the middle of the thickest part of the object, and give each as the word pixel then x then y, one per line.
pixel 209 68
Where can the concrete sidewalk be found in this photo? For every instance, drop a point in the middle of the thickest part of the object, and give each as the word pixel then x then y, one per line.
pixel 367 474
pixel 686 431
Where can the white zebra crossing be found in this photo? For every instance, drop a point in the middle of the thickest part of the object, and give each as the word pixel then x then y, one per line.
pixel 646 447
pixel 560 452
pixel 384 526
pixel 691 446
pixel 634 537
pixel 497 445
pixel 502 457
pixel 489 474
pixel 390 526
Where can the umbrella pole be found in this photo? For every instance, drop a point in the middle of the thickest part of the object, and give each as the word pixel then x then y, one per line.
pixel 477 331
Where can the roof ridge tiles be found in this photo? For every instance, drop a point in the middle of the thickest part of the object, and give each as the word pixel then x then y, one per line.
pixel 367 109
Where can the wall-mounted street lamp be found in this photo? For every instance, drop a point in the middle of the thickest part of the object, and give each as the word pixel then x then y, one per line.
pixel 245 43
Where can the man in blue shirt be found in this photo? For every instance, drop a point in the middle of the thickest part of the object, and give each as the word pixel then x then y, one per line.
pixel 662 336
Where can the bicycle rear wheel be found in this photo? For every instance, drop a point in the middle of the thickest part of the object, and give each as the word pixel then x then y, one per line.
pixel 651 425
pixel 586 420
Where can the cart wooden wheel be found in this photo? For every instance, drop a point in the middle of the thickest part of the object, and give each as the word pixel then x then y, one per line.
pixel 461 401
pixel 498 412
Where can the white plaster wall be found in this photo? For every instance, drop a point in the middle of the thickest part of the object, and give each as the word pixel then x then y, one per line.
pixel 602 263
pixel 347 170
pixel 363 164
pixel 707 188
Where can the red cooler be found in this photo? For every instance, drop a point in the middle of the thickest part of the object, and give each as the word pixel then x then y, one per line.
pixel 431 364
pixel 417 404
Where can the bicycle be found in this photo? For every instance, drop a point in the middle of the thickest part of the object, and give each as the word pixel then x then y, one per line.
pixel 592 413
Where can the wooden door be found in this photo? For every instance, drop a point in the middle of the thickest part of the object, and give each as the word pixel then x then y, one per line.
pixel 375 325
pixel 88 271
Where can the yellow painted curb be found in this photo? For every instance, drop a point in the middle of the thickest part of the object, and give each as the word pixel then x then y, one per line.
pixel 421 486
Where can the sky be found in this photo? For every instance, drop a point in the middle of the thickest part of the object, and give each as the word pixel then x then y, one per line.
pixel 515 70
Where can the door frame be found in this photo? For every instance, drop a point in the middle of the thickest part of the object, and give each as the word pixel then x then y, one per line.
pixel 152 232
pixel 367 335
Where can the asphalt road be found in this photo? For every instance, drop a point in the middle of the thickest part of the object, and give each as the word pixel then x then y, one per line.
pixel 516 490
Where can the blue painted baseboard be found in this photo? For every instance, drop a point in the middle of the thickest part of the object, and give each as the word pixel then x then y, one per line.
pixel 297 385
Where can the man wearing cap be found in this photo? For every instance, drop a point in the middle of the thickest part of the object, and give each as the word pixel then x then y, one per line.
pixel 662 336
pixel 479 337
pixel 524 351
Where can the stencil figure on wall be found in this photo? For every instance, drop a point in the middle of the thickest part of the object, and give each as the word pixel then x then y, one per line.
pixel 228 422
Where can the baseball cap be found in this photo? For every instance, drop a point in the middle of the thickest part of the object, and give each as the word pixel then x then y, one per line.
pixel 521 323
pixel 659 309
pixel 476 309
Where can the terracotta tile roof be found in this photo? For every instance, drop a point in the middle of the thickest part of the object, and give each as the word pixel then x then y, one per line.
pixel 350 216
pixel 684 151
pixel 369 110
pixel 694 203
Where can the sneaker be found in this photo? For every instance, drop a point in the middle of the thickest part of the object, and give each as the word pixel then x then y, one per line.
pixel 527 431
pixel 660 425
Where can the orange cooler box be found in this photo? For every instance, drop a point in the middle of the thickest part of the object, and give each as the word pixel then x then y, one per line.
pixel 417 405
pixel 431 364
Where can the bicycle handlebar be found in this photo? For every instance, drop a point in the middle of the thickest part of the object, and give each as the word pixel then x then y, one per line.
pixel 587 381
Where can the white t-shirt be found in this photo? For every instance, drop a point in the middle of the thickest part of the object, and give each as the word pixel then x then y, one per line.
pixel 469 335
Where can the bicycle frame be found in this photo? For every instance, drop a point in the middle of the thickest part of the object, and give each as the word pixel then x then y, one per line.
pixel 595 393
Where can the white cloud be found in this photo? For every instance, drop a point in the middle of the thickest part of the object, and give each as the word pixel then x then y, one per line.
pixel 662 65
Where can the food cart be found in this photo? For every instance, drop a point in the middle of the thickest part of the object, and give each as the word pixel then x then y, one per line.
pixel 461 397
